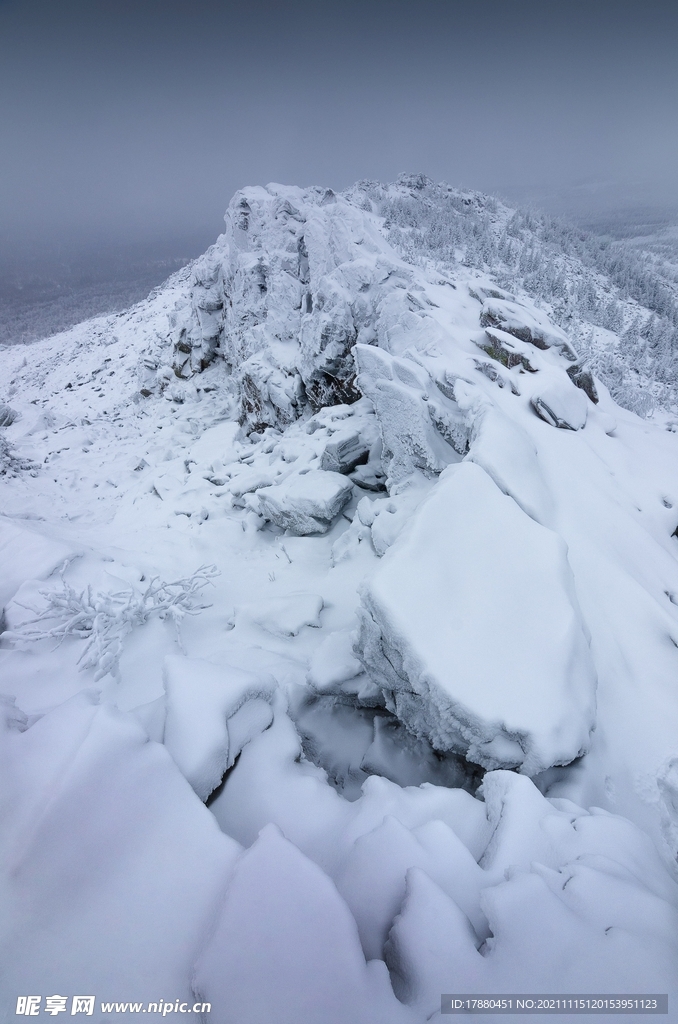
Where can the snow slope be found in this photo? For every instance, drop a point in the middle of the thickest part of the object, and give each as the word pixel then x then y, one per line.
pixel 340 638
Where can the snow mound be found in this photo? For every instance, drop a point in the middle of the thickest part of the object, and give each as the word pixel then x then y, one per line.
pixel 471 627
pixel 25 555
pixel 287 616
pixel 212 712
pixel 309 966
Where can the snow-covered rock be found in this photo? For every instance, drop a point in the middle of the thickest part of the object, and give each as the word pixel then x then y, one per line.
pixel 507 453
pixel 474 925
pixel 582 378
pixel 528 325
pixel 285 293
pixel 561 404
pixel 148 860
pixel 309 966
pixel 305 502
pixel 344 452
pixel 667 781
pixel 507 350
pixel 387 517
pixel 333 662
pixel 471 626
pixel 400 390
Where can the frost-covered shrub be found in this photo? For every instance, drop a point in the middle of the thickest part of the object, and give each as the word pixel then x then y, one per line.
pixel 11 464
pixel 104 619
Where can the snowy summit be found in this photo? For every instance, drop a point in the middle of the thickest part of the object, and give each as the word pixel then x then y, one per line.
pixel 340 623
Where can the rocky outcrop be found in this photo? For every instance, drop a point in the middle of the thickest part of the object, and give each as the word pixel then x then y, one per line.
pixel 528 326
pixel 582 378
pixel 283 296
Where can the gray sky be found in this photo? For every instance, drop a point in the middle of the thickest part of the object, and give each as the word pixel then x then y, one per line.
pixel 138 119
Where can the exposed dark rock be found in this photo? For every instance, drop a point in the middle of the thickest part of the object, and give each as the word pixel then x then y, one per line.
pixel 502 350
pixel 583 378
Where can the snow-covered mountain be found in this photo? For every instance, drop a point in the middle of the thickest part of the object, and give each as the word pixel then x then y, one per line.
pixel 340 638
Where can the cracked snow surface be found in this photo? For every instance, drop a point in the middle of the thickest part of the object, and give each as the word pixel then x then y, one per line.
pixel 339 642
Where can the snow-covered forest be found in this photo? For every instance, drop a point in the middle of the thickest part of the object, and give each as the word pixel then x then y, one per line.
pixel 586 281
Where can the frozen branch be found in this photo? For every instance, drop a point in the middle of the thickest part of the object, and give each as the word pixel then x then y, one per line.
pixel 105 619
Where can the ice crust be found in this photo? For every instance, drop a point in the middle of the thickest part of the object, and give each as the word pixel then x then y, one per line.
pixel 372 449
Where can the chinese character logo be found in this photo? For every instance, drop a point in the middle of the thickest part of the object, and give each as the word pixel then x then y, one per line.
pixel 29 1006
pixel 55 1004
pixel 83 1004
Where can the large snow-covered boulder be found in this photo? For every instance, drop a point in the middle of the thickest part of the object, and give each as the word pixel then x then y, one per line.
pixel 561 404
pixel 471 627
pixel 305 503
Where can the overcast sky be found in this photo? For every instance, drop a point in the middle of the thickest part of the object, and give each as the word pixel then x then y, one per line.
pixel 140 118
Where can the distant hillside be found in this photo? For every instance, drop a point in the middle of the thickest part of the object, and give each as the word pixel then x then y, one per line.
pixel 47 290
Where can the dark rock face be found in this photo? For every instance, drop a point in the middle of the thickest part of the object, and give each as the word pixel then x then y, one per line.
pixel 513 319
pixel 583 378
pixel 500 348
